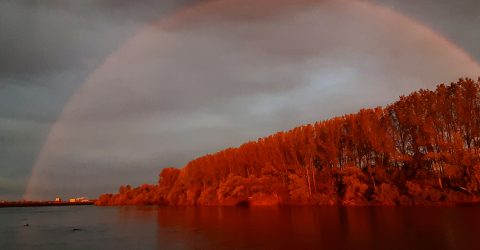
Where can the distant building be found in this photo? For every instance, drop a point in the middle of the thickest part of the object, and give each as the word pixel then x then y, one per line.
pixel 58 199
pixel 83 199
pixel 79 199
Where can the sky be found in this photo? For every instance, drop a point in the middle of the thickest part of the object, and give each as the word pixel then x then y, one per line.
pixel 99 93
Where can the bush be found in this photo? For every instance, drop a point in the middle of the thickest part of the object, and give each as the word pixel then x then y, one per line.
pixel 387 194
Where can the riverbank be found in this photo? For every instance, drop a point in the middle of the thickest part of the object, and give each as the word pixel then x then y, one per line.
pixel 43 203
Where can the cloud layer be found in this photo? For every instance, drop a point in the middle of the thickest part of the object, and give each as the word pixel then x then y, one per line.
pixel 218 75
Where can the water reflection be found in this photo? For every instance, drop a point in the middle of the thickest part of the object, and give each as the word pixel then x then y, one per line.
pixel 317 228
pixel 239 228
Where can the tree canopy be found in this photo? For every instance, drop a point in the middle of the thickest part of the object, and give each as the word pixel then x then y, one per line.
pixel 421 150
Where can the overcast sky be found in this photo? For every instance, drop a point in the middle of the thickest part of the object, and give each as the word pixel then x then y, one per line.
pixel 222 75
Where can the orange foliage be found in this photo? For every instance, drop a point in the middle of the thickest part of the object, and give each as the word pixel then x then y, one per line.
pixel 420 150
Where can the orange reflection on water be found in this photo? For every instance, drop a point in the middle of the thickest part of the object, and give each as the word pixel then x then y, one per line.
pixel 316 228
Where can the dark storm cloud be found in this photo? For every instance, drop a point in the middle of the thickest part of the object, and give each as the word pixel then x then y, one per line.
pixel 45 37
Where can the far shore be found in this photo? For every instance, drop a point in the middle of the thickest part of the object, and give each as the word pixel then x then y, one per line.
pixel 44 203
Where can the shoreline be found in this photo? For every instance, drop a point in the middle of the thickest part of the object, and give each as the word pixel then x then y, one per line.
pixel 453 204
pixel 43 203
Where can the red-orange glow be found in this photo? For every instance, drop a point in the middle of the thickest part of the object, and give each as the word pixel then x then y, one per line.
pixel 420 150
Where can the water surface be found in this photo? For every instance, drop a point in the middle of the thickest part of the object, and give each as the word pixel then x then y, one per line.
pixel 93 227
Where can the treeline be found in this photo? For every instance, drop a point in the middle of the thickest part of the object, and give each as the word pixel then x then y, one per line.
pixel 423 149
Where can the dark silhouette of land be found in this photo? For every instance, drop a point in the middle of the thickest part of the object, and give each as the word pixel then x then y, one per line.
pixel 44 203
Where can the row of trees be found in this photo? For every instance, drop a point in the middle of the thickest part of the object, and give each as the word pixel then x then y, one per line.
pixel 422 149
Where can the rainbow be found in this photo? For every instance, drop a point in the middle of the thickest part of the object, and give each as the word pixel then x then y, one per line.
pixel 182 17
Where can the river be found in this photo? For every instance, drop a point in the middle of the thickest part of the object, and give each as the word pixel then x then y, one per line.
pixel 91 227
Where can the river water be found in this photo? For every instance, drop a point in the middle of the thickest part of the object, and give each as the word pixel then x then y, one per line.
pixel 90 227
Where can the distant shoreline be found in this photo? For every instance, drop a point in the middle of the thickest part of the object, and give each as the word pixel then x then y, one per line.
pixel 43 203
